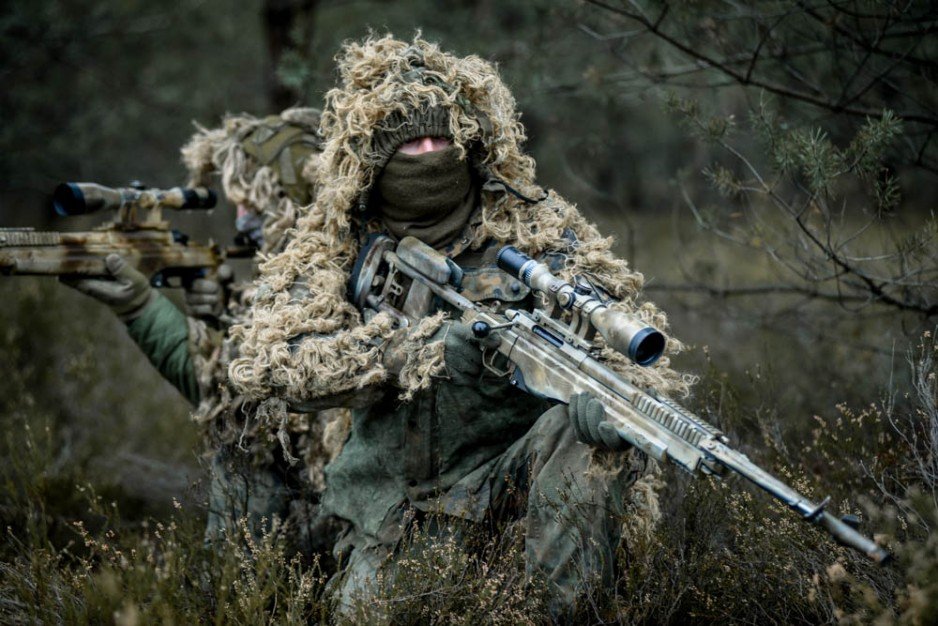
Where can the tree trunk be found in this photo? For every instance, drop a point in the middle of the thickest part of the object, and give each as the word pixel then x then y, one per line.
pixel 288 25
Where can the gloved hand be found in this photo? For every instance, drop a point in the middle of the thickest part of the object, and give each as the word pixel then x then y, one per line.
pixel 206 298
pixel 128 292
pixel 462 355
pixel 587 416
pixel 461 351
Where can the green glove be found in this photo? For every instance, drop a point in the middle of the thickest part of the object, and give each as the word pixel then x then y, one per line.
pixel 588 418
pixel 206 298
pixel 127 292
pixel 462 353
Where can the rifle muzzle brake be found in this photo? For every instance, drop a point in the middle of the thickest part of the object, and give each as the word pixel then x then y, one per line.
pixel 624 333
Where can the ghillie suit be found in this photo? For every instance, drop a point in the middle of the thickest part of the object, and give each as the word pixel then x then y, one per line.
pixel 267 167
pixel 427 437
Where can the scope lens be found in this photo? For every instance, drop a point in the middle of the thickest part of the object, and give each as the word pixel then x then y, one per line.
pixel 646 346
pixel 198 198
pixel 67 199
pixel 511 260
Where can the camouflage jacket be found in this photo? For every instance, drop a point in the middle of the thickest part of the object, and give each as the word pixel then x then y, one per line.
pixel 412 453
pixel 194 358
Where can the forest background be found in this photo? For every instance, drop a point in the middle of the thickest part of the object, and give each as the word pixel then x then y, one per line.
pixel 769 167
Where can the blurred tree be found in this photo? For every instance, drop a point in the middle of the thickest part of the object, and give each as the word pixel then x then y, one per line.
pixel 107 90
pixel 837 103
pixel 288 26
pixel 839 63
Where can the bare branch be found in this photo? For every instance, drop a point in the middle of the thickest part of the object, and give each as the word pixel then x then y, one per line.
pixel 742 79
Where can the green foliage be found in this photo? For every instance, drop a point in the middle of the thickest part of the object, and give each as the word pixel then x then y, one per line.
pixel 711 129
pixel 818 209
pixel 723 180
pixel 872 141
pixel 810 154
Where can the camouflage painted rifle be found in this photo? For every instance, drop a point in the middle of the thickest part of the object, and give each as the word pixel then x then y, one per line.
pixel 551 354
pixel 138 233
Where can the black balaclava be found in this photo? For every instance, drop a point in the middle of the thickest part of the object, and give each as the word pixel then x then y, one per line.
pixel 429 196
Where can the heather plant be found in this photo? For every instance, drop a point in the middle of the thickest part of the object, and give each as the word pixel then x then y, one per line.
pixel 462 574
pixel 899 435
pixel 726 553
pixel 95 529
pixel 831 192
pixel 720 553
pixel 149 572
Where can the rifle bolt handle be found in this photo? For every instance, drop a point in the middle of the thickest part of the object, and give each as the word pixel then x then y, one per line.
pixel 481 330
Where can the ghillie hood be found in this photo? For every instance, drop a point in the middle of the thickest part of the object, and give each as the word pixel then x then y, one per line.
pixel 266 164
pixel 306 340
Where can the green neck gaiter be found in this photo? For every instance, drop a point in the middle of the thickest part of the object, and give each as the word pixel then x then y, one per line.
pixel 429 196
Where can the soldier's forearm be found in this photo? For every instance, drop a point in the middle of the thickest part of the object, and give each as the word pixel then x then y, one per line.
pixel 352 399
pixel 162 333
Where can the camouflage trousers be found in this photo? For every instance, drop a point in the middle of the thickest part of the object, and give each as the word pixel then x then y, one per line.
pixel 570 498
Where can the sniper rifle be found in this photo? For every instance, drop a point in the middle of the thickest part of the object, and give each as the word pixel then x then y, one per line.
pixel 551 352
pixel 138 233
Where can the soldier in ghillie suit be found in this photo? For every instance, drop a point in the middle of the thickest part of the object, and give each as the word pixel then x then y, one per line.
pixel 420 142
pixel 266 166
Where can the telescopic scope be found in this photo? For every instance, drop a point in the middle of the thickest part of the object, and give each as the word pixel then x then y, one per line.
pixel 81 198
pixel 624 333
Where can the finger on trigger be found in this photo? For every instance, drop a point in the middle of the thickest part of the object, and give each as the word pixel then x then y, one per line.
pixel 84 285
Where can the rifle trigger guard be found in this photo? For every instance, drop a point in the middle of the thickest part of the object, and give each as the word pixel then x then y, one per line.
pixel 488 360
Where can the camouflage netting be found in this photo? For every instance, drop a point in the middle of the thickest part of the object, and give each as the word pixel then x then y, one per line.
pixel 306 340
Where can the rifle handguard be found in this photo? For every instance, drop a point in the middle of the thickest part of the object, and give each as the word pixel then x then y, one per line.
pixel 624 333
